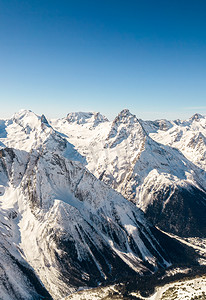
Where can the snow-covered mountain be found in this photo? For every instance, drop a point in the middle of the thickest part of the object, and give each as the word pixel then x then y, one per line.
pixel 73 230
pixel 167 180
pixel 140 159
pixel 94 118
pixel 65 224
pixel 188 136
pixel 27 131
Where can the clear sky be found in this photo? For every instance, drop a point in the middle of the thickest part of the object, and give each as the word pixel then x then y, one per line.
pixel 58 56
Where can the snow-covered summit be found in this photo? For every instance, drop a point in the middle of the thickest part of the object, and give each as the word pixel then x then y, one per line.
pixel 125 117
pixel 27 131
pixel 124 125
pixel 27 119
pixel 124 114
pixel 196 117
pixel 189 136
pixel 86 117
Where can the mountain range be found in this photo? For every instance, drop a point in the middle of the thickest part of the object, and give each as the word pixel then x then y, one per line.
pixel 159 166
pixel 85 202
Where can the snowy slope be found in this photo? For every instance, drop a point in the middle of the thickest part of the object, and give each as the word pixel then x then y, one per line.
pixel 17 278
pixel 73 229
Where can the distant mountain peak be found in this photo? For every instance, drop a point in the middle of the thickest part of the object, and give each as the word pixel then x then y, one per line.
pixel 127 118
pixel 86 117
pixel 125 113
pixel 196 117
pixel 26 119
pixel 30 121
pixel 23 113
pixel 162 124
pixel 123 126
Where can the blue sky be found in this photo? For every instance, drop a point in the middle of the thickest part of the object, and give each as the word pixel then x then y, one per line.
pixel 62 56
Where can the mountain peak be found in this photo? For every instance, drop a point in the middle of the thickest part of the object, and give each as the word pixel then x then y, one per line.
pixel 26 118
pixel 196 117
pixel 86 117
pixel 123 126
pixel 124 113
pixel 23 113
pixel 125 117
